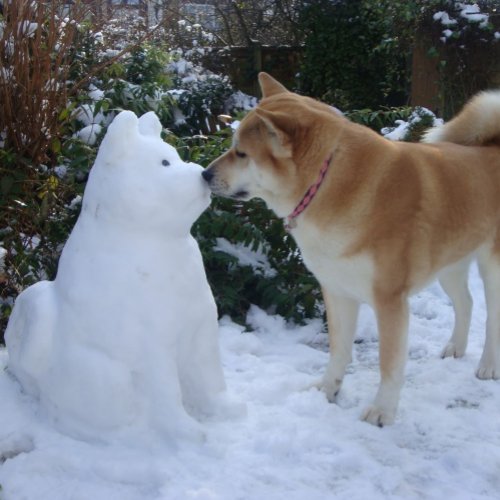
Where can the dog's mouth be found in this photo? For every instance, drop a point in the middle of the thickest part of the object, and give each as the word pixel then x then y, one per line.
pixel 240 195
pixel 222 188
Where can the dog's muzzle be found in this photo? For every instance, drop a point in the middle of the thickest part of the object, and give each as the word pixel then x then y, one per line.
pixel 208 174
pixel 219 187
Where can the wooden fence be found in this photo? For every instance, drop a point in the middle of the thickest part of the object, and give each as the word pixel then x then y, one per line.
pixel 242 64
pixel 442 89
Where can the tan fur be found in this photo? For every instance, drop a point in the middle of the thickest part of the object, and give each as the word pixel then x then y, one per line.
pixel 388 218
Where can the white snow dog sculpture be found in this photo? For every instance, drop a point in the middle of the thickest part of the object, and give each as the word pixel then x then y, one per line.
pixel 126 336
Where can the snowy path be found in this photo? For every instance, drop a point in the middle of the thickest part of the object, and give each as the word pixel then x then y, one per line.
pixel 292 444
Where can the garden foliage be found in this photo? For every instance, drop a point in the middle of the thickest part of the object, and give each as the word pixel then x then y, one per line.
pixel 462 38
pixel 63 77
pixel 41 193
pixel 358 53
pixel 353 55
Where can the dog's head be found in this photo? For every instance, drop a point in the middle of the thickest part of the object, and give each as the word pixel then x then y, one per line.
pixel 283 135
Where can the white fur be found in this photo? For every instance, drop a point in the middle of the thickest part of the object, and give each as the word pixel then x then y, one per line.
pixel 349 277
pixel 434 134
pixel 475 125
pixel 489 365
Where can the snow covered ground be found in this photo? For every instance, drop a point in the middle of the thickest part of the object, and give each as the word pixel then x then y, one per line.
pixel 291 444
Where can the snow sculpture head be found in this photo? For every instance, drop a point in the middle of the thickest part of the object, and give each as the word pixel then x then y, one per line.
pixel 143 178
pixel 124 341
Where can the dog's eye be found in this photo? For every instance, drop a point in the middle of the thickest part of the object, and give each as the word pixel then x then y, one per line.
pixel 165 163
pixel 240 154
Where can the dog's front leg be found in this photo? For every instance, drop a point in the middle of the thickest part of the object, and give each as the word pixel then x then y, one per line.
pixel 392 319
pixel 489 366
pixel 342 315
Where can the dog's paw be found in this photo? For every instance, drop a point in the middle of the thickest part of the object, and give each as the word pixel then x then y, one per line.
pixel 331 388
pixel 452 350
pixel 488 371
pixel 378 416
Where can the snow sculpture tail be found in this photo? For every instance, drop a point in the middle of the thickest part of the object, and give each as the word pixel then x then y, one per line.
pixel 478 124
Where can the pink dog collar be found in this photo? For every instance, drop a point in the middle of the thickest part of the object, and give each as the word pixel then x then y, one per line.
pixel 290 222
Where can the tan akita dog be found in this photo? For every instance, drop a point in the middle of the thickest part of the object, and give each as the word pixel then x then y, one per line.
pixel 377 220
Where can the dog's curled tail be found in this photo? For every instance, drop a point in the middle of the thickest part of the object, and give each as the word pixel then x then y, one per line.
pixel 477 124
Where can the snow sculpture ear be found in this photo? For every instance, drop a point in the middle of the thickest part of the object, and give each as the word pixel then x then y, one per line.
pixel 122 132
pixel 149 124
pixel 123 127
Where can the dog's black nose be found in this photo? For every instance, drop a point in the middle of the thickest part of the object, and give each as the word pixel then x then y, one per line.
pixel 207 174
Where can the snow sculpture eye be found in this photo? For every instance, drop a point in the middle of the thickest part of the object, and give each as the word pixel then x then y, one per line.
pixel 165 163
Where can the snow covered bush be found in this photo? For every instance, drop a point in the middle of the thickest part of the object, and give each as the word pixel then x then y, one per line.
pixel 48 55
pixel 377 119
pixel 59 75
pixel 153 78
pixel 201 99
pixel 411 129
pixel 374 68
pixel 462 20
pixel 37 46
pixel 249 257
pixel 462 38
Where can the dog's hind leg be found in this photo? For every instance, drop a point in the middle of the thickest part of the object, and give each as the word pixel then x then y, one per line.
pixel 342 315
pixel 489 267
pixel 454 280
pixel 392 319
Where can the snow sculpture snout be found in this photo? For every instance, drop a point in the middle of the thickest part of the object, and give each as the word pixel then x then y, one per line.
pixel 125 339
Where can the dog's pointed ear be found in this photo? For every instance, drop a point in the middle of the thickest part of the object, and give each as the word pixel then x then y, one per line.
pixel 280 130
pixel 269 86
